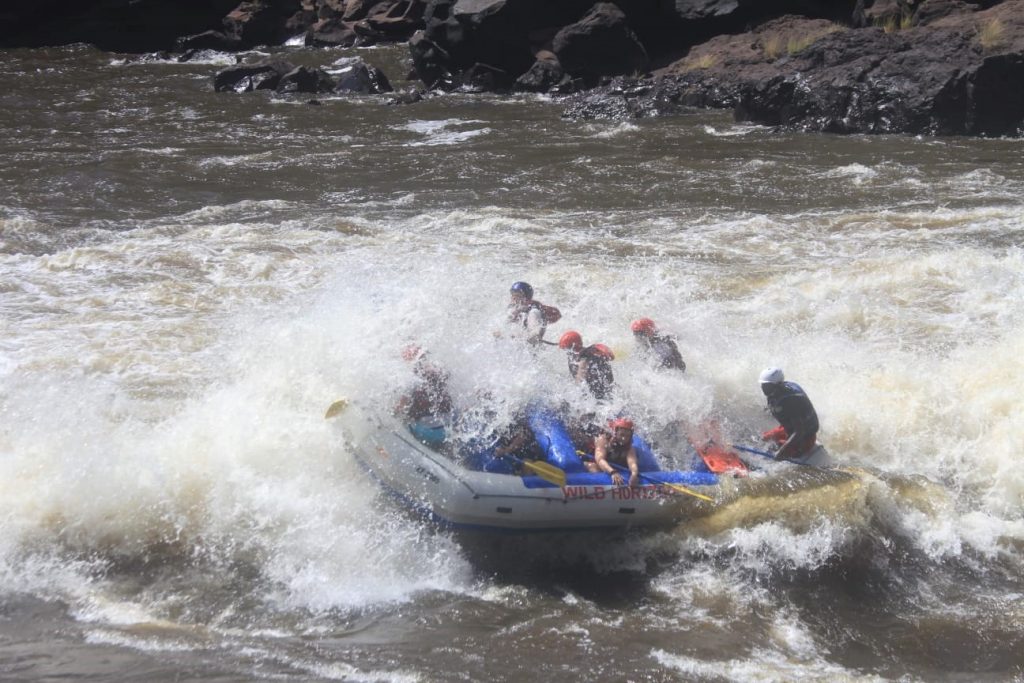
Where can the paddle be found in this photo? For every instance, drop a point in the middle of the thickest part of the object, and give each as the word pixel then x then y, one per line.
pixel 712 452
pixel 336 408
pixel 675 487
pixel 544 470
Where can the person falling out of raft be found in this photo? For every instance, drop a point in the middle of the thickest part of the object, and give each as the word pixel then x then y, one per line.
pixel 659 349
pixel 589 364
pixel 427 403
pixel 529 318
pixel 615 447
pixel 798 422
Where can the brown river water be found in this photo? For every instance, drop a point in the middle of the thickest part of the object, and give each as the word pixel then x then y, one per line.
pixel 188 279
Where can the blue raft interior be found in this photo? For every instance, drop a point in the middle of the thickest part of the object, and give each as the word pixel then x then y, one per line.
pixel 553 439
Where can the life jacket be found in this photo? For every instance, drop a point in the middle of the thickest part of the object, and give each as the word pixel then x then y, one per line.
pixel 666 353
pixel 548 314
pixel 793 409
pixel 599 377
pixel 429 397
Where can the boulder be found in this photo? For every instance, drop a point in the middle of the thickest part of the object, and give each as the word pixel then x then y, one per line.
pixel 332 32
pixel 356 76
pixel 208 40
pixel 959 74
pixel 600 44
pixel 305 80
pixel 264 75
pixel 253 23
pixel 397 19
pixel 545 74
pixel 430 62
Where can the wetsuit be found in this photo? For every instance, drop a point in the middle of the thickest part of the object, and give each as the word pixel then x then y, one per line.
pixel 598 374
pixel 792 408
pixel 665 354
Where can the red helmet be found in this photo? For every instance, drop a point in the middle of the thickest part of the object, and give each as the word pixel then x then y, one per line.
pixel 571 340
pixel 644 326
pixel 412 352
pixel 621 423
pixel 603 351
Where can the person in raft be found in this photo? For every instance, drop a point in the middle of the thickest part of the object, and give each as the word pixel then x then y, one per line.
pixel 519 441
pixel 615 447
pixel 530 318
pixel 590 364
pixel 788 403
pixel 659 349
pixel 427 403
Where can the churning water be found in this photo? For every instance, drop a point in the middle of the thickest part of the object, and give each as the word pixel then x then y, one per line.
pixel 188 279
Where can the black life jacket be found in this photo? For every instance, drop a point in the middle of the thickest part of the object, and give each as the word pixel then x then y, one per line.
pixel 666 353
pixel 599 377
pixel 793 409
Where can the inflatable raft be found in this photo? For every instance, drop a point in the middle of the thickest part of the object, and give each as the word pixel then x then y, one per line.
pixel 472 489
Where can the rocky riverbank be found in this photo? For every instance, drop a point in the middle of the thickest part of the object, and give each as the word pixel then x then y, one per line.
pixel 933 67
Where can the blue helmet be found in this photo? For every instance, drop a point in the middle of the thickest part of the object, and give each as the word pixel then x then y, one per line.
pixel 522 288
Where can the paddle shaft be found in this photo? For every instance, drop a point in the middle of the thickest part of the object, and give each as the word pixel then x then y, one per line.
pixel 674 487
pixel 545 471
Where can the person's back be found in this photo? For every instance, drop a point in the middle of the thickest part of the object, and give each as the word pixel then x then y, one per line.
pixel 793 409
pixel 589 364
pixel 790 405
pixel 660 349
pixel 665 354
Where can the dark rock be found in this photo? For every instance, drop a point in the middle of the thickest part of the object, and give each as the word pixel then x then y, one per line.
pixel 362 78
pixel 502 34
pixel 484 78
pixel 932 10
pixel 356 10
pixel 300 22
pixel 260 22
pixel 208 40
pixel 545 74
pixel 600 44
pixel 397 19
pixel 332 32
pixel 305 80
pixel 626 98
pixel 959 74
pixel 704 9
pixel 410 97
pixel 263 75
pixel 429 60
pixel 121 25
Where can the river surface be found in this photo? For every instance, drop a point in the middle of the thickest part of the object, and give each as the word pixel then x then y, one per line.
pixel 188 279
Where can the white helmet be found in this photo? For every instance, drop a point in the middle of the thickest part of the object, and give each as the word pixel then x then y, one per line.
pixel 772 376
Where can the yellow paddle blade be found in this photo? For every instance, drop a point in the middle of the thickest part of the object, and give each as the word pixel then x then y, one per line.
pixel 336 408
pixel 546 471
pixel 683 489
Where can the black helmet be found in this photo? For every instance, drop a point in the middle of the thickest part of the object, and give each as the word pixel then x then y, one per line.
pixel 522 288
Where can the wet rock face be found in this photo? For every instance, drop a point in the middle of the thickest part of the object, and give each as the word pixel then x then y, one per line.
pixel 960 74
pixel 846 66
pixel 362 78
pixel 600 44
pixel 355 76
pixel 157 25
